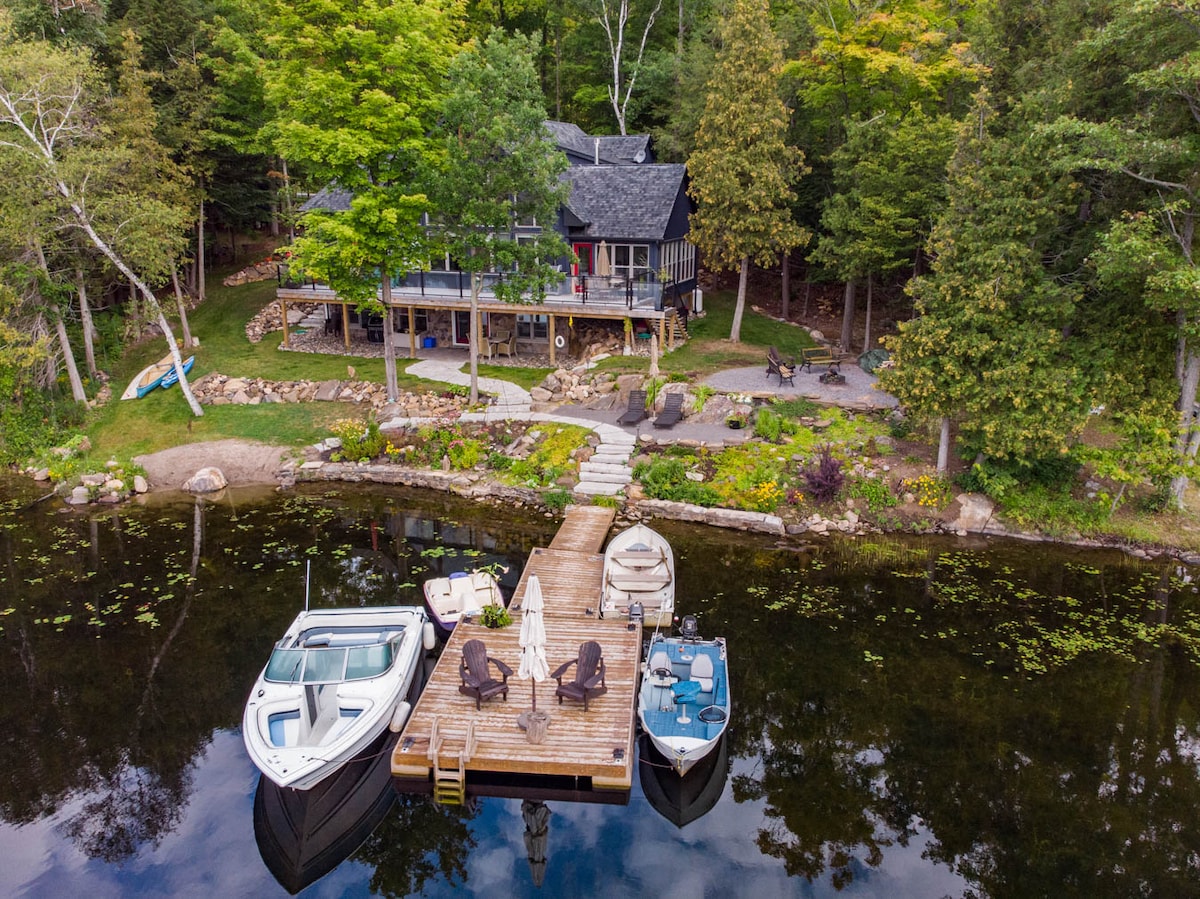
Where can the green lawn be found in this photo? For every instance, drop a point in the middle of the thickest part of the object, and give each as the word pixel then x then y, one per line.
pixel 163 419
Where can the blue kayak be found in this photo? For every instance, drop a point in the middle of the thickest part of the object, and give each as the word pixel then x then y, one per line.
pixel 172 377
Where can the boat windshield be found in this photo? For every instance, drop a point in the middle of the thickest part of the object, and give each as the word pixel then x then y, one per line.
pixel 329 664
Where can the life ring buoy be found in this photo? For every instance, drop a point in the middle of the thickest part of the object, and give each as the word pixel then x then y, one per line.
pixel 560 341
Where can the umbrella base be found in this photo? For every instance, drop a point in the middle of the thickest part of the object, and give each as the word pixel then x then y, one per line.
pixel 535 725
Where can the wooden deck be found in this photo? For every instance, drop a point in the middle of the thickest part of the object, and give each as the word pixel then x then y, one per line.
pixel 597 745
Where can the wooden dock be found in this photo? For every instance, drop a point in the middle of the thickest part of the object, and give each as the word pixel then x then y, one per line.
pixel 446 739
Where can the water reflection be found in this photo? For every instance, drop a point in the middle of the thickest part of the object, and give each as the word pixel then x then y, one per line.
pixel 681 800
pixel 913 717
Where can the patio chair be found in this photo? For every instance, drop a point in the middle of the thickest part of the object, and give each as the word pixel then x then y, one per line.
pixel 589 675
pixel 672 411
pixel 476 675
pixel 636 411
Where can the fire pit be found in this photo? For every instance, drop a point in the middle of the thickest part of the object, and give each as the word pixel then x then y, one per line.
pixel 831 377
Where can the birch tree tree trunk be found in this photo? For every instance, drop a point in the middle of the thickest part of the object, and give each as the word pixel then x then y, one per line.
pixel 152 306
pixel 85 318
pixel 943 455
pixel 183 319
pixel 735 331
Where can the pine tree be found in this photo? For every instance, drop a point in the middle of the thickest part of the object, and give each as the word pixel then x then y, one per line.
pixel 742 170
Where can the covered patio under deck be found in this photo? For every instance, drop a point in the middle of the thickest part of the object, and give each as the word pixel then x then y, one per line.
pixel 594 298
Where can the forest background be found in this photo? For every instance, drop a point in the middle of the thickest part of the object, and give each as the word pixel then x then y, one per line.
pixel 1008 190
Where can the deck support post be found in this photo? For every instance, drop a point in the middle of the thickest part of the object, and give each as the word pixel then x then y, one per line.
pixel 550 334
pixel 283 318
pixel 346 325
pixel 412 333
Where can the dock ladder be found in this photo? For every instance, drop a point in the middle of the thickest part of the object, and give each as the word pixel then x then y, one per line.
pixel 449 768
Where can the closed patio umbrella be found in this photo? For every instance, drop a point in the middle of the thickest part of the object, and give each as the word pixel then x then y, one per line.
pixel 603 263
pixel 533 636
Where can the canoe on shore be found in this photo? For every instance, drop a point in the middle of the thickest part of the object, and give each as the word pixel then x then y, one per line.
pixel 148 378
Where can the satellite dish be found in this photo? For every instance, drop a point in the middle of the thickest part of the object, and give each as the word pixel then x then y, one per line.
pixel 640 156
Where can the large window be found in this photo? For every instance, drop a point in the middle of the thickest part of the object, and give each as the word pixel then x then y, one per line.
pixel 679 260
pixel 533 327
pixel 400 320
pixel 630 260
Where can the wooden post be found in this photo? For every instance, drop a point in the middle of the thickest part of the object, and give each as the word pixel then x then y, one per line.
pixel 671 331
pixel 412 334
pixel 550 334
pixel 283 315
pixel 662 331
pixel 346 325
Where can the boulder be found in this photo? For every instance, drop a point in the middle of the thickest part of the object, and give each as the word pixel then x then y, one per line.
pixel 206 480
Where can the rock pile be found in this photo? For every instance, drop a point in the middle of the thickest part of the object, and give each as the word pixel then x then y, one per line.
pixel 259 271
pixel 113 485
pixel 216 389
pixel 270 319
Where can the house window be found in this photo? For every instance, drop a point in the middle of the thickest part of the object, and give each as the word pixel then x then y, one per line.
pixel 420 321
pixel 679 260
pixel 533 327
pixel 630 260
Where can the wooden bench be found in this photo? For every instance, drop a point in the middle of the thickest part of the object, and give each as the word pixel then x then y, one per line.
pixel 638 558
pixel 819 355
pixel 639 583
pixel 777 365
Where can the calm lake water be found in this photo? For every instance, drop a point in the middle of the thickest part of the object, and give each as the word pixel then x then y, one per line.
pixel 911 717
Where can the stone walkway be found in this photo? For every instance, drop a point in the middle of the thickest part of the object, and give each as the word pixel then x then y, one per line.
pixel 608 472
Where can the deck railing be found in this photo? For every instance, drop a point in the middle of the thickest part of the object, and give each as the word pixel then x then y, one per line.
pixel 644 292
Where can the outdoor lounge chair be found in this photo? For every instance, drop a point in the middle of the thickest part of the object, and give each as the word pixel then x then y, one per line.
pixel 589 676
pixel 672 411
pixel 477 679
pixel 636 410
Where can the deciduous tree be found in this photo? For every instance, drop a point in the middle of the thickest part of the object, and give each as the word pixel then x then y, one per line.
pixel 356 87
pixel 499 168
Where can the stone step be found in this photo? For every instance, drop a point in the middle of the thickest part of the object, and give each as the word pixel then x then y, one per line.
pixel 593 467
pixel 617 449
pixel 604 477
pixel 610 458
pixel 614 437
pixel 593 488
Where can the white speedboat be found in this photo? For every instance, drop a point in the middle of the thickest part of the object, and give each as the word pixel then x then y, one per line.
pixel 639 575
pixel 333 683
pixel 461 595
pixel 683 702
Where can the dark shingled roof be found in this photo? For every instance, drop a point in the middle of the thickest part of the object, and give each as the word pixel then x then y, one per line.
pixel 615 149
pixel 624 201
pixel 331 198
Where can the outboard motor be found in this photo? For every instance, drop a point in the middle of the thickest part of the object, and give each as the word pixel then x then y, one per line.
pixel 688 628
pixel 636 613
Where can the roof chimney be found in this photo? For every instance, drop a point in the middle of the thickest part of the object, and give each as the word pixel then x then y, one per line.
pixel 597 150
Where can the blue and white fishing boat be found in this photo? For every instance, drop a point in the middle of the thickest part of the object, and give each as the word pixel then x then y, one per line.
pixel 335 680
pixel 684 700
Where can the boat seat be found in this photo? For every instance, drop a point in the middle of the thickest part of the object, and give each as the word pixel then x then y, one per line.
pixel 660 669
pixel 702 672
pixel 646 582
pixel 638 558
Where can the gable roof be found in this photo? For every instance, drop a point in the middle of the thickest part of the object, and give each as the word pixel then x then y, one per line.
pixel 625 201
pixel 329 198
pixel 613 149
